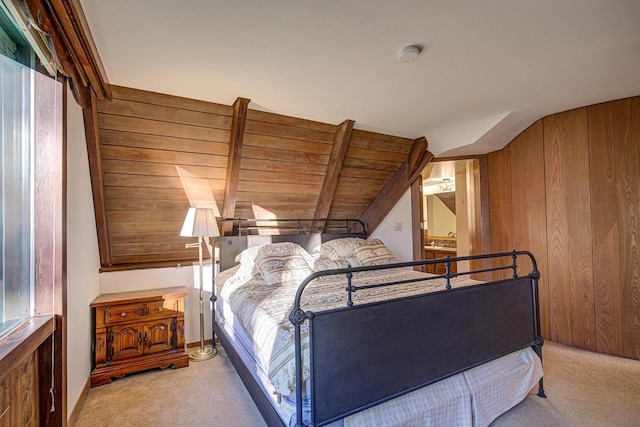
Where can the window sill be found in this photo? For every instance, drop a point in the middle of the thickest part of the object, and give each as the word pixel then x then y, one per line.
pixel 24 340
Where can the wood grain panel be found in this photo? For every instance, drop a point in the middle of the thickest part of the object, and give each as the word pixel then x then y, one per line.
pixel 380 145
pixel 277 206
pixel 351 199
pixel 356 191
pixel 283 155
pixel 251 196
pixel 154 127
pixel 154 98
pixel 355 163
pixel 138 181
pixel 384 138
pixel 500 205
pixel 135 228
pixel 365 173
pixel 291 132
pixel 274 165
pixel 161 169
pixel 529 209
pixel 147 216
pixel 147 194
pixel 185 258
pixel 362 182
pixel 373 154
pixel 159 142
pixel 263 116
pixel 250 213
pixel 163 113
pixel 162 156
pixel 267 187
pixel 280 177
pixel 350 207
pixel 480 232
pixel 153 248
pixel 614 153
pixel 147 237
pixel 569 229
pixel 281 143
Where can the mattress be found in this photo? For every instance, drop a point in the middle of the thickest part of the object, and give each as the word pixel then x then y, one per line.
pixel 260 333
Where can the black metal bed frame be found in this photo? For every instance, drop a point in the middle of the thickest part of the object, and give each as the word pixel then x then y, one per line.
pixel 454 330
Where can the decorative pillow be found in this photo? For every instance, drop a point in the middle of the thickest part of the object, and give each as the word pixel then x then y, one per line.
pixel 373 252
pixel 325 263
pixel 337 249
pixel 247 261
pixel 283 263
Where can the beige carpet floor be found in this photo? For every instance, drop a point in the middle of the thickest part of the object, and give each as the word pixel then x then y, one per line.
pixel 583 389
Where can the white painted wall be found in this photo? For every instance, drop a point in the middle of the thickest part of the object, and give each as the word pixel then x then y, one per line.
pixel 134 280
pixel 83 260
pixel 399 243
pixel 85 283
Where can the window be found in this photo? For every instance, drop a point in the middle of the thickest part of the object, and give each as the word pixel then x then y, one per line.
pixel 16 171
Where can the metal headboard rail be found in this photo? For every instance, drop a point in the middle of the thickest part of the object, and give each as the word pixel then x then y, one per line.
pixel 300 225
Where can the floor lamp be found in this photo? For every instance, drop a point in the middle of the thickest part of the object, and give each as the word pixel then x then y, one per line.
pixel 200 223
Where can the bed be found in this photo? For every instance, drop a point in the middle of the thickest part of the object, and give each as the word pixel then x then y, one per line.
pixel 326 328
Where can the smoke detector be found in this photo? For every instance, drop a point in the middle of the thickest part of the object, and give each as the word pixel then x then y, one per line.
pixel 410 54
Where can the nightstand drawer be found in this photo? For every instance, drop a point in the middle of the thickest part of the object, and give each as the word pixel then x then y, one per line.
pixel 121 313
pixel 167 307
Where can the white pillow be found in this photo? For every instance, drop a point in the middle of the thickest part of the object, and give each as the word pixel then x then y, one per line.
pixel 247 261
pixel 283 263
pixel 337 249
pixel 373 252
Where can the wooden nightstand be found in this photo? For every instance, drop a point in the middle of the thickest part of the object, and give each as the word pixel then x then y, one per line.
pixel 138 330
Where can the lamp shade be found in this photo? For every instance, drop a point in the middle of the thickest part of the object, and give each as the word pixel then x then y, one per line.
pixel 200 222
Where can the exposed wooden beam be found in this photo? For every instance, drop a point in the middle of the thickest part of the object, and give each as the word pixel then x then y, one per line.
pixel 240 108
pixel 400 181
pixel 416 157
pixel 75 52
pixel 334 167
pixel 91 126
pixel 74 24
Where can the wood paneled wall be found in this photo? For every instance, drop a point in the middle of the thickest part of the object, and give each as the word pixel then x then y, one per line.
pixel 282 167
pixel 567 190
pixel 160 155
pixel 614 152
pixel 152 156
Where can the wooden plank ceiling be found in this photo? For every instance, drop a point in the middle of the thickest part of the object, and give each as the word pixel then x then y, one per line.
pixel 152 156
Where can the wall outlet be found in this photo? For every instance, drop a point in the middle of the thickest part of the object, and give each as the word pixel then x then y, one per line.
pixel 397 226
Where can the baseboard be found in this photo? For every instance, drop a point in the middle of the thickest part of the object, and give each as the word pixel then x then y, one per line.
pixel 73 417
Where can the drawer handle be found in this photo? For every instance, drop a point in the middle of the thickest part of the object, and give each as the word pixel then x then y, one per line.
pixel 123 314
pixel 160 308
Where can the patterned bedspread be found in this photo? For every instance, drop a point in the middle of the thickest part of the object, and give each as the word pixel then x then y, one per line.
pixel 263 311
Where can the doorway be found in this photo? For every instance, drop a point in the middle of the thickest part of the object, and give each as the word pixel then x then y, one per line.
pixel 451 209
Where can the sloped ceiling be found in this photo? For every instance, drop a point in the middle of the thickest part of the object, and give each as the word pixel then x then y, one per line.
pixel 487 71
pixel 154 155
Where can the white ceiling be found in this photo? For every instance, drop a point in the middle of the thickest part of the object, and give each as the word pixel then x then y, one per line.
pixel 488 69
